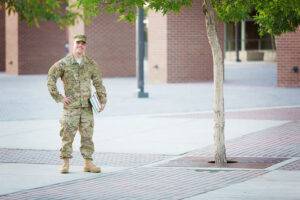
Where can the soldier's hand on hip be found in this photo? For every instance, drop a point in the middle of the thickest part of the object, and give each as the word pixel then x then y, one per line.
pixel 67 101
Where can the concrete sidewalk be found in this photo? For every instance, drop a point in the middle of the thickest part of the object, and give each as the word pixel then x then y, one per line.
pixel 247 85
pixel 275 185
pixel 156 148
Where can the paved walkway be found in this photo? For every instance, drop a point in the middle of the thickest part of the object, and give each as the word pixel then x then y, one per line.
pixel 251 85
pixel 157 148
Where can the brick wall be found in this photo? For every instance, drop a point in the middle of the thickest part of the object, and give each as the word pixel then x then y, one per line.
pixel 112 45
pixel 288 51
pixel 188 52
pixel 2 40
pixel 41 47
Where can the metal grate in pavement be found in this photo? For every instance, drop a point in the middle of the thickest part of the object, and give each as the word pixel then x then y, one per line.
pixel 291 166
pixel 140 183
pixel 239 162
pixel 52 157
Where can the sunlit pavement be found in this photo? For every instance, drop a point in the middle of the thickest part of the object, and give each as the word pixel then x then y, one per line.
pixel 156 148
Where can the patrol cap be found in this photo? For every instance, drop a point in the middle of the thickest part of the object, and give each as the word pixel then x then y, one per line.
pixel 81 38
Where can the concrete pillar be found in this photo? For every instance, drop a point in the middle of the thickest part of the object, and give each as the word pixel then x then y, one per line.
pixel 2 40
pixel 32 50
pixel 11 43
pixel 77 28
pixel 157 48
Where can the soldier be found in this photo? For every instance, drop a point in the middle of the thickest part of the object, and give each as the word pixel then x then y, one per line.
pixel 77 71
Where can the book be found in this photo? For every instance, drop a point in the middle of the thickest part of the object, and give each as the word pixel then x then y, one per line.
pixel 95 103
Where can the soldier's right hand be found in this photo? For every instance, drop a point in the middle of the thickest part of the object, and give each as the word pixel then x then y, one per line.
pixel 66 101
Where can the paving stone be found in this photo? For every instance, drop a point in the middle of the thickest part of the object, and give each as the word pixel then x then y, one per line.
pixel 142 183
pixel 234 162
pixel 276 142
pixel 52 157
pixel 291 166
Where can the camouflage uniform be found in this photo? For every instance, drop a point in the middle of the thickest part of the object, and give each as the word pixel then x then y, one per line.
pixel 78 114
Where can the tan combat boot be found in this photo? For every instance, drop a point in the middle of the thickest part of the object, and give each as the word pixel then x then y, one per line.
pixel 90 167
pixel 65 166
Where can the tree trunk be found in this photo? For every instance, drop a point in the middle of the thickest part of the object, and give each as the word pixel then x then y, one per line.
pixel 218 101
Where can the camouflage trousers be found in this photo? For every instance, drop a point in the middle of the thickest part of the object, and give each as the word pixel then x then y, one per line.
pixel 74 119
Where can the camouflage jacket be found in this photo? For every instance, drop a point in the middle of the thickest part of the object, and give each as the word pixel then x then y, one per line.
pixel 76 80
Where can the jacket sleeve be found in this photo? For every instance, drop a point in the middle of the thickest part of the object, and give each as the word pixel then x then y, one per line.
pixel 54 73
pixel 97 82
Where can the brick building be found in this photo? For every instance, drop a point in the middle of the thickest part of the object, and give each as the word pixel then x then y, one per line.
pixel 288 59
pixel 178 49
pixel 112 45
pixel 32 50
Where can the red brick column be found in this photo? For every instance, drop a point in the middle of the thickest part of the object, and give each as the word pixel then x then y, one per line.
pixel 288 56
pixel 40 47
pixel 179 49
pixel 112 44
pixel 2 40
